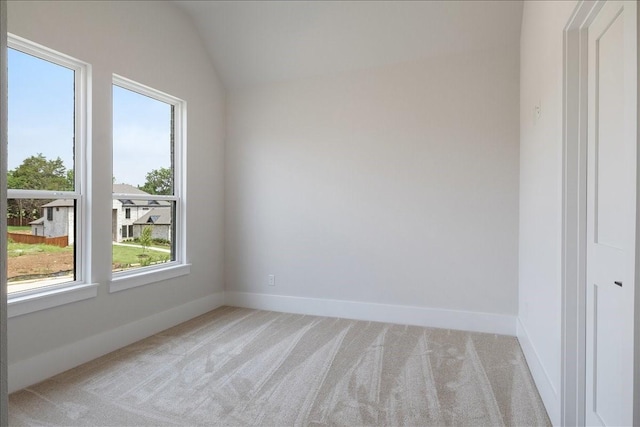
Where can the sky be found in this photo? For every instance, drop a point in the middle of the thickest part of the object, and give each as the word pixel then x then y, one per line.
pixel 41 111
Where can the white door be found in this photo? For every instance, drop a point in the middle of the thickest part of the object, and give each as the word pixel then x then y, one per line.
pixel 611 215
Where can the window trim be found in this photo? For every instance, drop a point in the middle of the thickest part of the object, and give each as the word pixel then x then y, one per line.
pixel 23 302
pixel 128 279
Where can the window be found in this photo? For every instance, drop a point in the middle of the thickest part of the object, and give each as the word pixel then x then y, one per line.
pixel 127 231
pixel 47 139
pixel 148 146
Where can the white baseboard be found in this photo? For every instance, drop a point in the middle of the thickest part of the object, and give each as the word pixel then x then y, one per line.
pixel 38 368
pixel 408 315
pixel 548 392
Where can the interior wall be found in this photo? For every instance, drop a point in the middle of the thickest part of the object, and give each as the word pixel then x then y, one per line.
pixel 153 43
pixel 541 145
pixel 397 185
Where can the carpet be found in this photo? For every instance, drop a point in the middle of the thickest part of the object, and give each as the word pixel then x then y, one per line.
pixel 236 366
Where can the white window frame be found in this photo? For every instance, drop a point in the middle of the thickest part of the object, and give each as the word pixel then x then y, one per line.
pixel 128 279
pixel 23 302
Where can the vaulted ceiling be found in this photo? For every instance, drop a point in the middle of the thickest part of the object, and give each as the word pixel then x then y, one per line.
pixel 257 42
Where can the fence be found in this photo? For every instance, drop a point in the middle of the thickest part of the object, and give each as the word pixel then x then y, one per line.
pixel 19 221
pixel 62 241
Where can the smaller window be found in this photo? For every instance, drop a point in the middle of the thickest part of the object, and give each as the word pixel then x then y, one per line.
pixel 124 231
pixel 127 213
pixel 151 170
pixel 49 214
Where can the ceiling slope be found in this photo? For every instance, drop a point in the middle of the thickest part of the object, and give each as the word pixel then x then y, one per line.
pixel 258 42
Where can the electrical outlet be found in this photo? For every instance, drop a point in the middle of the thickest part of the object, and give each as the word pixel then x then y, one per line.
pixel 272 280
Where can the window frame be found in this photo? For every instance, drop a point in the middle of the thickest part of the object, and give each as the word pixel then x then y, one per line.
pixel 127 279
pixel 23 302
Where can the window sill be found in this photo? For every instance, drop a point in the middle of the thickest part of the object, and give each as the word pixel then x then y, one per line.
pixel 25 304
pixel 134 279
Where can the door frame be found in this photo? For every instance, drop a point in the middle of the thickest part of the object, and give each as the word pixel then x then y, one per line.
pixel 574 220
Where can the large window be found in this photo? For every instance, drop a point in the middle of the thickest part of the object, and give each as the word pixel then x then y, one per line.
pixel 148 200
pixel 46 168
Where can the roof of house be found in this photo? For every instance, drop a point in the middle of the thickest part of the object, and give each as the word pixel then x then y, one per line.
pixel 60 203
pixel 134 202
pixel 127 189
pixel 130 189
pixel 37 221
pixel 156 216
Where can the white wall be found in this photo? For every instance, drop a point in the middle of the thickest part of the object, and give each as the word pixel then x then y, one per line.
pixel 397 185
pixel 540 255
pixel 155 44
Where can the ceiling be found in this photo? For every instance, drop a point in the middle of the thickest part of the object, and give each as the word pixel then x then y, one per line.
pixel 263 42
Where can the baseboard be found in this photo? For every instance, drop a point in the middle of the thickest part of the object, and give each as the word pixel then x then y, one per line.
pixel 548 392
pixel 408 315
pixel 38 368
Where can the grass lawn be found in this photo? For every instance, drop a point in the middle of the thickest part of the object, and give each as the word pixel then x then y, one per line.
pixel 25 229
pixel 40 261
pixel 125 256
pixel 152 245
pixel 20 249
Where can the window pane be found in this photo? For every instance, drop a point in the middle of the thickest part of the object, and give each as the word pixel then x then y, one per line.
pixel 142 142
pixel 150 235
pixel 41 124
pixel 41 251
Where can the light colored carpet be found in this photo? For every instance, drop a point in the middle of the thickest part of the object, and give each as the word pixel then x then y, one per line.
pixel 237 366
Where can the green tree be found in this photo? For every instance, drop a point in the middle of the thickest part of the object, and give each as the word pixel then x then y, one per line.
pixel 36 173
pixel 159 181
pixel 145 238
pixel 71 184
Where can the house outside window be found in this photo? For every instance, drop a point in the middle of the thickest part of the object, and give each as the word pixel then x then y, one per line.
pixel 148 196
pixel 47 140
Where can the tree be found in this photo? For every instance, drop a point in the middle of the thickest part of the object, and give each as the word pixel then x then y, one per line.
pixel 145 238
pixel 159 181
pixel 36 173
pixel 71 180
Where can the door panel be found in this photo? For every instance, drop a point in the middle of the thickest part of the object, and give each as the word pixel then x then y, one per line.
pixel 611 200
pixel 609 144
